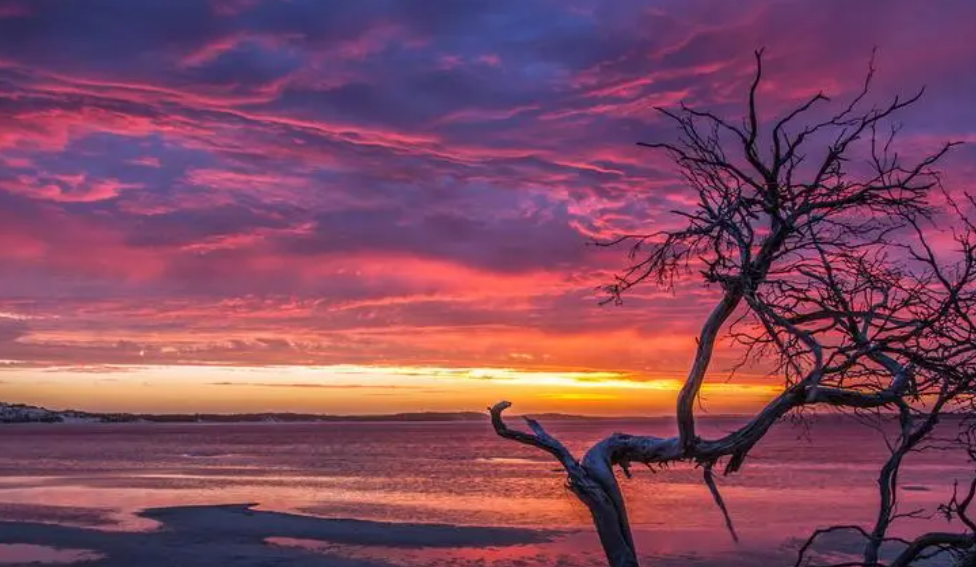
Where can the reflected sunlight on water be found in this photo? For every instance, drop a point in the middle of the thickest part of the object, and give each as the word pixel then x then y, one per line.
pixel 21 554
pixel 457 473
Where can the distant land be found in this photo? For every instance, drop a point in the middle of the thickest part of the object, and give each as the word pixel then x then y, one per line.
pixel 23 413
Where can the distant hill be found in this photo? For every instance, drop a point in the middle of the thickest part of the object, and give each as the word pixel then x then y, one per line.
pixel 22 413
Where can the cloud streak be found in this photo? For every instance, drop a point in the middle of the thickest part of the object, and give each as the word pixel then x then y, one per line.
pixel 260 183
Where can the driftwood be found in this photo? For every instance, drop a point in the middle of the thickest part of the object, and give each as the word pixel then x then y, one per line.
pixel 824 267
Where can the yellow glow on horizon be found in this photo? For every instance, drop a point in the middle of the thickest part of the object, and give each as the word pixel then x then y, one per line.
pixel 582 397
pixel 350 389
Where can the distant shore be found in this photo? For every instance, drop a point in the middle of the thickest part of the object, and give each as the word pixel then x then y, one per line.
pixel 12 413
pixel 203 536
pixel 24 413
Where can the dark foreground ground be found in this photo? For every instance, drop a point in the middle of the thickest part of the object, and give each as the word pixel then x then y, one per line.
pixel 208 536
pixel 241 536
pixel 148 495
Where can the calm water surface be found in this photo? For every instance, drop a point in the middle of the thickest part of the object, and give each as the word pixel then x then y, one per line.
pixel 460 473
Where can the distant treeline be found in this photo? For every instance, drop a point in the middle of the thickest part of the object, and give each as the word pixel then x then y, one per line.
pixel 23 413
pixel 286 417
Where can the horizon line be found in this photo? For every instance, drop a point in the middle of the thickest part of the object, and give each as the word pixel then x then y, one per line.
pixel 364 416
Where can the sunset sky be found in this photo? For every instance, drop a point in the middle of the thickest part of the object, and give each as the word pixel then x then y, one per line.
pixel 373 206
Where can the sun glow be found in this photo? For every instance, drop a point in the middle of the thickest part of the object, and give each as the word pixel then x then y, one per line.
pixel 351 389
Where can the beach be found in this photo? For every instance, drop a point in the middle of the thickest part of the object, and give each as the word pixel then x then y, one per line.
pixel 450 494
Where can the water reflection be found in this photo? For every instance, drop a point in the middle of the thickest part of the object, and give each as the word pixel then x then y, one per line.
pixel 458 474
pixel 22 553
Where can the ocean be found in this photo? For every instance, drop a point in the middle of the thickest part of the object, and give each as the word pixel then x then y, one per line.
pixel 100 477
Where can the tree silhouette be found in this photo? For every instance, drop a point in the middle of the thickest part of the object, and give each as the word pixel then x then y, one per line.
pixel 818 234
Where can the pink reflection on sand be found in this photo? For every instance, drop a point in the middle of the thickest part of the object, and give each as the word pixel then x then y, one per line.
pixel 103 477
pixel 328 497
pixel 677 504
pixel 576 549
pixel 514 461
pixel 571 550
pixel 22 553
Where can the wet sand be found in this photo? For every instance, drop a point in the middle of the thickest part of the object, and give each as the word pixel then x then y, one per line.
pixel 207 536
pixel 241 536
pixel 170 496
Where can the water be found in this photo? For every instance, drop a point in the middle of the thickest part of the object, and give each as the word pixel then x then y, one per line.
pixel 22 553
pixel 101 476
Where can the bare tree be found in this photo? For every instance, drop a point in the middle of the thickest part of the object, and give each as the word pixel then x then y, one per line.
pixel 816 232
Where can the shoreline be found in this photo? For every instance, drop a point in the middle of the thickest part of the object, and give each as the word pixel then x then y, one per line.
pixel 240 534
pixel 243 536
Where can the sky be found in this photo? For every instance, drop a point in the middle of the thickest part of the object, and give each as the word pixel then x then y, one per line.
pixel 380 206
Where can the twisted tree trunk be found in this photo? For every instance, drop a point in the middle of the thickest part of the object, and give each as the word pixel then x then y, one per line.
pixel 592 478
pixel 593 482
pixel 609 516
pixel 805 251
